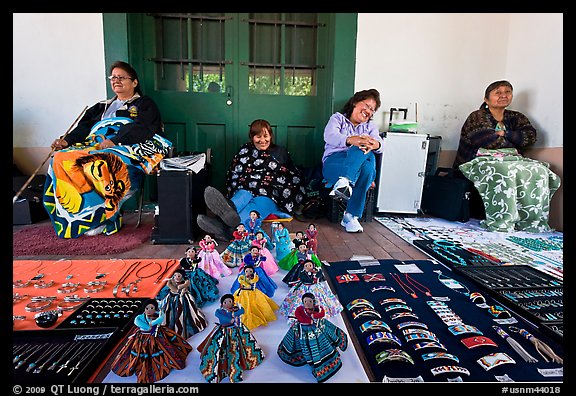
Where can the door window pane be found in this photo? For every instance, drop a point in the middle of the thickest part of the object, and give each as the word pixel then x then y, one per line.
pixel 190 52
pixel 282 58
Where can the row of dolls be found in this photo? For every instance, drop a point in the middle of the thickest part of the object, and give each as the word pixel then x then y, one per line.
pixel 191 287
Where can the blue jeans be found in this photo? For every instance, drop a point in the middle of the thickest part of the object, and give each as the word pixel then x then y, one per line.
pixel 359 168
pixel 246 202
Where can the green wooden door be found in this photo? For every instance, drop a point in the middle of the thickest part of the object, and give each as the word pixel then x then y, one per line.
pixel 213 74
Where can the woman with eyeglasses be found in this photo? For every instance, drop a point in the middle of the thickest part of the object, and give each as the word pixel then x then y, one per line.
pixel 512 190
pixel 349 164
pixel 101 162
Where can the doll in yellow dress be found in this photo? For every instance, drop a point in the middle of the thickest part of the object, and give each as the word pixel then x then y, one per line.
pixel 258 307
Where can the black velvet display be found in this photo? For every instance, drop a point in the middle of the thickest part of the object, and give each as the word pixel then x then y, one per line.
pixel 458 302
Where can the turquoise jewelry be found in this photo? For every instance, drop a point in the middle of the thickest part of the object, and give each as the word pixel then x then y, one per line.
pixel 403 325
pixel 452 283
pixel 381 336
pixel 440 355
pixel 359 302
pixel 374 325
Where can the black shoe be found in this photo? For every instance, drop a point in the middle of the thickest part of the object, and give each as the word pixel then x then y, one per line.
pixel 214 227
pixel 221 207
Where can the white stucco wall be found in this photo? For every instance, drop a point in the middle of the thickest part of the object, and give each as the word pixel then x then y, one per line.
pixel 444 62
pixel 441 62
pixel 55 59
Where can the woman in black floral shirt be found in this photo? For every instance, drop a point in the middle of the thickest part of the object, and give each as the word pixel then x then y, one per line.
pixel 261 177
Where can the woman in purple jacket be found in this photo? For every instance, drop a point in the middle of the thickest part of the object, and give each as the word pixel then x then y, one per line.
pixel 349 164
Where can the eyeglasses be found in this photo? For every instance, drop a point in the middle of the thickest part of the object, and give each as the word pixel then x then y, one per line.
pixel 119 78
pixel 368 107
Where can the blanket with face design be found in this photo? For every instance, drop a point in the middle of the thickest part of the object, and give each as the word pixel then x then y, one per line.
pixel 86 186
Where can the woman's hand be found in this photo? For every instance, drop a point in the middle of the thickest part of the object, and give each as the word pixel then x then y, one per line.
pixel 106 144
pixel 366 143
pixel 59 144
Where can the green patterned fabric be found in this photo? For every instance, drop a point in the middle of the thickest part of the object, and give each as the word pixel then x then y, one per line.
pixel 516 190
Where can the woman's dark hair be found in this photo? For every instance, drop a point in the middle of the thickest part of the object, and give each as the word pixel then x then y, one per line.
pixel 309 295
pixel 492 87
pixel 225 296
pixel 131 72
pixel 256 128
pixel 359 97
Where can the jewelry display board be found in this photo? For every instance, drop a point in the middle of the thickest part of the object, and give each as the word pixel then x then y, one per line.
pixel 533 294
pixel 452 253
pixel 62 286
pixel 60 356
pixel 105 312
pixel 417 320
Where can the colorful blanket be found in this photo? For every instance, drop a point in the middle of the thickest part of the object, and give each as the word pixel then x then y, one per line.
pixel 515 190
pixel 87 186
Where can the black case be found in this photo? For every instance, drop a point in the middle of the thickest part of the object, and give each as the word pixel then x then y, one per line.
pixel 446 196
pixel 180 200
pixel 28 208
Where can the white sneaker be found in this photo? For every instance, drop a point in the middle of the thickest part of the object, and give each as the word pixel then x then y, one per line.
pixel 345 219
pixel 351 223
pixel 342 189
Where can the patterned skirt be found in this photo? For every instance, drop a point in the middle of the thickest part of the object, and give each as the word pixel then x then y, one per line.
pixel 323 295
pixel 233 255
pixel 182 314
pixel 228 351
pixel 151 356
pixel 316 345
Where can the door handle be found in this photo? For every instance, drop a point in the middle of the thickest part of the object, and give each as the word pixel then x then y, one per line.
pixel 229 95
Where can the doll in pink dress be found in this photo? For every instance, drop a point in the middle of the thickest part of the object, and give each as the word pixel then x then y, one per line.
pixel 269 265
pixel 211 261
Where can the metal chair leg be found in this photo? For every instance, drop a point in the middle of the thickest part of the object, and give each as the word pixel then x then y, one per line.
pixel 140 203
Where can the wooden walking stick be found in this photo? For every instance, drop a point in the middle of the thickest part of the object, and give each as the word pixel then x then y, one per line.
pixel 47 158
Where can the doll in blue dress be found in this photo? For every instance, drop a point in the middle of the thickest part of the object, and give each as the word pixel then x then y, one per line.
pixel 253 224
pixel 281 239
pixel 230 348
pixel 265 283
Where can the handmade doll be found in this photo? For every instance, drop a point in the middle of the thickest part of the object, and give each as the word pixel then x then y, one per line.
pixel 233 255
pixel 211 261
pixel 258 307
pixel 151 350
pixel 230 349
pixel 266 284
pixel 298 239
pixel 179 308
pixel 269 265
pixel 313 340
pixel 253 224
pixel 282 243
pixel 312 238
pixel 311 280
pixel 203 286
pixel 295 260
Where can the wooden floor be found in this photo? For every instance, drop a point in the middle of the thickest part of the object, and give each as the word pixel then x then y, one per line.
pixel 334 243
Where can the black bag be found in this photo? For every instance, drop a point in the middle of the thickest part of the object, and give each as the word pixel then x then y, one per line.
pixel 446 196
